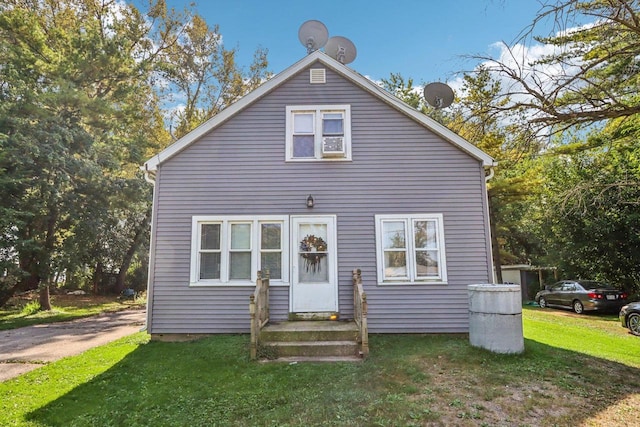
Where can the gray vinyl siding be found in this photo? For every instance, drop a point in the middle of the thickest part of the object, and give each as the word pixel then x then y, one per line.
pixel 398 167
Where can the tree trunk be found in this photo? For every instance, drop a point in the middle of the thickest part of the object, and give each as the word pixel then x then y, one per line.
pixel 45 262
pixel 45 301
pixel 6 292
pixel 97 278
pixel 135 244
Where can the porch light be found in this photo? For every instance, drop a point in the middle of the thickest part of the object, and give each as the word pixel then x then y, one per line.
pixel 310 201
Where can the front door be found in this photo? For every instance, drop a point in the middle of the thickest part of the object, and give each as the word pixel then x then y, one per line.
pixel 314 284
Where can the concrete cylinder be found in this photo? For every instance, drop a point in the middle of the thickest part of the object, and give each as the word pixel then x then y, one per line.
pixel 495 318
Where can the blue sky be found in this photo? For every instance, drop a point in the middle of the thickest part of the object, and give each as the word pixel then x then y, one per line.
pixel 421 39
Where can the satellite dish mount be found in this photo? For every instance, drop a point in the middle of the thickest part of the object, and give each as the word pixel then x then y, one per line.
pixel 438 95
pixel 341 49
pixel 313 35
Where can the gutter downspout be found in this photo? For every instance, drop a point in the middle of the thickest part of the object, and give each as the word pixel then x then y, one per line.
pixel 150 177
pixel 492 232
pixel 492 172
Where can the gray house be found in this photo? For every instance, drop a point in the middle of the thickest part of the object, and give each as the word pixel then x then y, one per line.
pixel 316 173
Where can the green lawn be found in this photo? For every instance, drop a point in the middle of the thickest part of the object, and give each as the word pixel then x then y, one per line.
pixel 574 372
pixel 25 311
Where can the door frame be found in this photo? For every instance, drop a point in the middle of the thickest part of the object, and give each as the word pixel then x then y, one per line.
pixel 332 265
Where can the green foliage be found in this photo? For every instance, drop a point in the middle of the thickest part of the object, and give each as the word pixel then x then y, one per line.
pixel 590 76
pixel 570 201
pixel 404 90
pixel 516 177
pixel 79 113
pixel 201 70
pixel 592 218
pixel 30 308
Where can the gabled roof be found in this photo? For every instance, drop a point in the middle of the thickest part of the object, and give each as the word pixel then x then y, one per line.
pixel 366 84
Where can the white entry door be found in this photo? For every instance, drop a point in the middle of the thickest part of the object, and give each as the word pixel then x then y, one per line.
pixel 314 284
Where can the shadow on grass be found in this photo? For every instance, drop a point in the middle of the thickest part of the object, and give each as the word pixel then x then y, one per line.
pixel 408 380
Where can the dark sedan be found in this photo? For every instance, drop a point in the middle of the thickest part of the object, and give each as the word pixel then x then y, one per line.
pixel 630 317
pixel 582 295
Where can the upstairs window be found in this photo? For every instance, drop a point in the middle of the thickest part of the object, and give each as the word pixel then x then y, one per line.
pixel 318 133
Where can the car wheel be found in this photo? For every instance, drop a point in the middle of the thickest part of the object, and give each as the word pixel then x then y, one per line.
pixel 634 323
pixel 578 307
pixel 542 302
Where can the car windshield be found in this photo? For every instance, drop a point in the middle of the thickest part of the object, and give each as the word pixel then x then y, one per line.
pixel 593 284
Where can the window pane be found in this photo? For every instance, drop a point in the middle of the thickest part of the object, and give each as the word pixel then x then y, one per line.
pixel 209 266
pixel 393 234
pixel 425 235
pixel 312 233
pixel 332 124
pixel 303 146
pixel 427 264
pixel 313 268
pixel 240 236
pixel 272 261
pixel 395 264
pixel 271 235
pixel 240 265
pixel 303 123
pixel 210 236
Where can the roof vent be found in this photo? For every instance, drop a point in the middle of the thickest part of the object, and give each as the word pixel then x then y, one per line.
pixel 317 76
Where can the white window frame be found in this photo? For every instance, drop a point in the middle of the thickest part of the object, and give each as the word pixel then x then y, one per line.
pixel 317 111
pixel 225 222
pixel 411 277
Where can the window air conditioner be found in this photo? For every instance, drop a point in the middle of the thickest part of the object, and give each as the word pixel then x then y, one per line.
pixel 333 146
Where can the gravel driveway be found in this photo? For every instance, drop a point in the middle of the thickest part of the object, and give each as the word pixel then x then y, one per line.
pixel 28 348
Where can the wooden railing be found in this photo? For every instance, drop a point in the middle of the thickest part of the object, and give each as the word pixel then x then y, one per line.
pixel 360 312
pixel 259 310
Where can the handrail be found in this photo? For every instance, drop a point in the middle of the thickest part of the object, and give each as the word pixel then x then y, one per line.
pixel 259 310
pixel 360 312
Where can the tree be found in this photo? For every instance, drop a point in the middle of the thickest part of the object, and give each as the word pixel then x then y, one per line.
pixel 80 111
pixel 592 221
pixel 205 73
pixel 579 104
pixel 515 179
pixel 590 75
pixel 71 89
pixel 404 90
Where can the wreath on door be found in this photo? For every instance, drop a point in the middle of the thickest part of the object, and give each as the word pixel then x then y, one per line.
pixel 313 249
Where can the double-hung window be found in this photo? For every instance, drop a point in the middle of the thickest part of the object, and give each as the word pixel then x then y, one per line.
pixel 230 250
pixel 320 132
pixel 410 249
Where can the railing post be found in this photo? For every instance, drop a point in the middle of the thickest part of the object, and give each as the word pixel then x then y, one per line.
pixel 266 282
pixel 365 327
pixel 254 329
pixel 360 312
pixel 258 310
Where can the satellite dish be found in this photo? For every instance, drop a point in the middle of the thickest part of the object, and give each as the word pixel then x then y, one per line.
pixel 313 35
pixel 438 95
pixel 341 49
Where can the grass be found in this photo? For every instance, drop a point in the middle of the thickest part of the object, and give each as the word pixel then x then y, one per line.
pixel 25 311
pixel 419 380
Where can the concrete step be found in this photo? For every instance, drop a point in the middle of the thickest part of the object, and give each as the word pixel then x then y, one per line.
pixel 310 331
pixel 310 341
pixel 315 359
pixel 311 348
